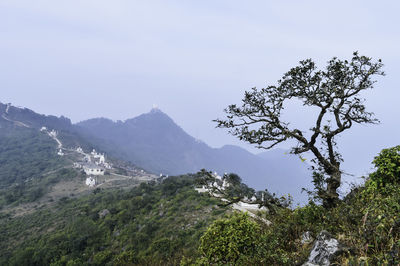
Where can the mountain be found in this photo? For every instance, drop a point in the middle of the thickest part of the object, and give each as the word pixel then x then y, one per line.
pixel 151 140
pixel 155 142
pixel 29 119
pixel 38 155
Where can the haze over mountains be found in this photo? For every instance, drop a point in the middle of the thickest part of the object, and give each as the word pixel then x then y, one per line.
pixel 154 142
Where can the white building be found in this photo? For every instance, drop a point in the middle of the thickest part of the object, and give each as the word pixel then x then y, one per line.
pixel 60 152
pixel 107 166
pixel 102 159
pixel 93 169
pixel 90 181
pixel 88 158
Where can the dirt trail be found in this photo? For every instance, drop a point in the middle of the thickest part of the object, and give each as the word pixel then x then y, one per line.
pixel 15 122
pixel 56 139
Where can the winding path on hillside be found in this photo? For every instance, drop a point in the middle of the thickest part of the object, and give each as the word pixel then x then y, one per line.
pixel 15 122
pixel 56 139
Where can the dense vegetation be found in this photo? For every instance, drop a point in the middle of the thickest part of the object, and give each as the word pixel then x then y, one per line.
pixel 150 224
pixel 366 222
pixel 166 223
pixel 25 154
pixel 28 165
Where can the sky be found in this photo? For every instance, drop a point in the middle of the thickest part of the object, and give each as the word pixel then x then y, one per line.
pixel 116 59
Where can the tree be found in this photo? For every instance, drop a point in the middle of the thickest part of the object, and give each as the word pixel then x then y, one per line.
pixel 388 167
pixel 230 188
pixel 334 92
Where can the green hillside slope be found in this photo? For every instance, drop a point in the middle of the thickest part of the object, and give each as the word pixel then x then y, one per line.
pixel 149 224
pixel 28 164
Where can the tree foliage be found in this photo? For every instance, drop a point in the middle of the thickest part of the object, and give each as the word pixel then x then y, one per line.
pixel 334 92
pixel 388 166
pixel 232 190
pixel 232 239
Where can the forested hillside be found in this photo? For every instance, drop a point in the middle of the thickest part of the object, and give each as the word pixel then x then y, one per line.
pixel 151 224
pixel 29 165
pixel 37 157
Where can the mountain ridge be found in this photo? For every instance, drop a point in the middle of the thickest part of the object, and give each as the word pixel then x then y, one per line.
pixel 156 143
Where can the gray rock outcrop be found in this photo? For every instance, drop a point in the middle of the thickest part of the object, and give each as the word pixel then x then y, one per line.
pixel 103 213
pixel 325 248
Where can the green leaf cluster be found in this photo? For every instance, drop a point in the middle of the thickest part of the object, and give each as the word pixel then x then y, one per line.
pixel 388 166
pixel 230 240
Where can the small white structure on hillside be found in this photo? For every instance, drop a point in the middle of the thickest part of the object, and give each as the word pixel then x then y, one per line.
pixel 90 181
pixel 53 133
pixel 93 169
pixel 43 129
pixel 87 158
pixel 79 149
pixel 95 154
pixel 203 189
pixel 107 166
pixel 102 159
pixel 60 153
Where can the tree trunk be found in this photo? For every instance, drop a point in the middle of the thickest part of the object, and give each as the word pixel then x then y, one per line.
pixel 331 197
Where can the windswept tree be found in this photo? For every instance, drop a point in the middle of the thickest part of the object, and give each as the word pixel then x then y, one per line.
pixel 232 190
pixel 334 92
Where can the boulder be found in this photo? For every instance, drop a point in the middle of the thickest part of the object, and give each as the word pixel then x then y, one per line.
pixel 103 213
pixel 306 238
pixel 325 248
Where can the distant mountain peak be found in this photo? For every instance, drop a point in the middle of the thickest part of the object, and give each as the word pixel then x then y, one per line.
pixel 155 109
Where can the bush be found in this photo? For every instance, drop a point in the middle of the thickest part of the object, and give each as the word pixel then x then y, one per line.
pixel 230 240
pixel 388 166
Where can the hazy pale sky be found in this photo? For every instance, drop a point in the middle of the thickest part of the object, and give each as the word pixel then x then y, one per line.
pixel 115 59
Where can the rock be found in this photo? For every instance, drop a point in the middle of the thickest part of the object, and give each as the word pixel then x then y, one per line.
pixel 103 213
pixel 325 248
pixel 306 238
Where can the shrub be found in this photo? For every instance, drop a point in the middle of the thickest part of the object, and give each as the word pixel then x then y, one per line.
pixel 229 240
pixel 388 166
